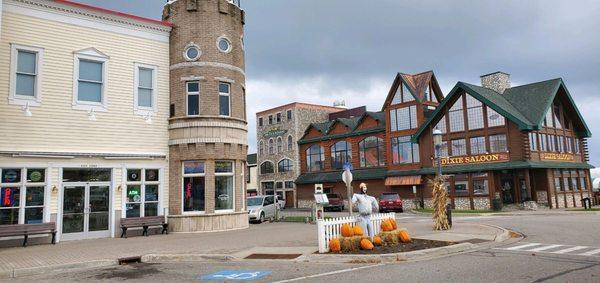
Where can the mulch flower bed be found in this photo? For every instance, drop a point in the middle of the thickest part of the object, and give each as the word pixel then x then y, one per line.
pixel 414 245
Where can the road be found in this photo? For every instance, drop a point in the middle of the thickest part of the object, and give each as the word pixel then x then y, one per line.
pixel 557 248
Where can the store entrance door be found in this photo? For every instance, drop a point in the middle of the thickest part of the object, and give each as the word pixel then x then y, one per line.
pixel 289 199
pixel 85 210
pixel 507 188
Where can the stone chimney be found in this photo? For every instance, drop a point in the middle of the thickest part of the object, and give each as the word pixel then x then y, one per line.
pixel 497 81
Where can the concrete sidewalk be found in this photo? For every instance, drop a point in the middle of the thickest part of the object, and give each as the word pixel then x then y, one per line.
pixel 261 238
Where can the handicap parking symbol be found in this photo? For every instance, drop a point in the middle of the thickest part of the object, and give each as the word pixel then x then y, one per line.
pixel 241 275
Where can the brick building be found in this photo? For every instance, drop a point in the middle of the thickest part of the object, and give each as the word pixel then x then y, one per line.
pixel 514 144
pixel 207 125
pixel 278 130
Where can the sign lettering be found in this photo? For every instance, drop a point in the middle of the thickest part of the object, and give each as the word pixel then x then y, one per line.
pixel 475 159
pixel 274 133
pixel 557 156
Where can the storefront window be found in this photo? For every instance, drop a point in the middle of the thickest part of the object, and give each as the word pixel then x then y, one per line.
pixel 480 187
pixel 566 184
pixel 193 186
pixel 224 192
pixel 142 189
pixel 268 188
pixel 557 184
pixel 371 152
pixel 22 195
pixel 267 167
pixel 461 185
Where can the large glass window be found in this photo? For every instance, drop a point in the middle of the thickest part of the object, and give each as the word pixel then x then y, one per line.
pixel 403 118
pixel 22 195
pixel 441 125
pixel 569 144
pixel 194 186
pixel 224 99
pixel 267 168
pixel 284 165
pixel 557 186
pixel 315 155
pixel 557 121
pixel 142 190
pixel 549 120
pixel 494 119
pixel 193 98
pixel 456 116
pixel 404 151
pixel 461 185
pixel 543 142
pixel 224 191
pixel 371 151
pixel 498 143
pixel 533 144
pixel 90 81
pixel 477 145
pixel 459 147
pixel 402 95
pixel 474 113
pixel 341 152
pixel 480 184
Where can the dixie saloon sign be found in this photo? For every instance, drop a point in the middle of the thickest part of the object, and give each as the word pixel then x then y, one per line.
pixel 474 159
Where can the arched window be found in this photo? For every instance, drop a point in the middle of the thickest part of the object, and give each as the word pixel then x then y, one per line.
pixel 261 148
pixel 290 142
pixel 341 152
pixel 279 145
pixel 315 155
pixel 267 168
pixel 271 146
pixel 284 165
pixel 371 151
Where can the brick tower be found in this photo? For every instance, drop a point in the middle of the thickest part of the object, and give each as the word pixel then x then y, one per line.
pixel 207 128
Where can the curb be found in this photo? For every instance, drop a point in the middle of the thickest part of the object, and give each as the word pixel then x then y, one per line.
pixel 500 237
pixel 388 258
pixel 19 272
pixel 154 258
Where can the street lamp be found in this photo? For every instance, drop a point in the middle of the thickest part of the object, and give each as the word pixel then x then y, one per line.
pixel 437 143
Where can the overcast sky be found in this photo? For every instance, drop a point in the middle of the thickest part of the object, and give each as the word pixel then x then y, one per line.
pixel 320 51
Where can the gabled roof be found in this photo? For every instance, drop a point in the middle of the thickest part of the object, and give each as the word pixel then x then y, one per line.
pixel 524 105
pixel 351 123
pixel 416 84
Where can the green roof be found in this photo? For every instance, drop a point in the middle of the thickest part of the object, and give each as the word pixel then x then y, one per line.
pixel 524 105
pixel 334 177
pixel 351 123
pixel 251 159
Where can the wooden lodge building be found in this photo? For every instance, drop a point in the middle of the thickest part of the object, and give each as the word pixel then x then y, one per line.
pixel 515 144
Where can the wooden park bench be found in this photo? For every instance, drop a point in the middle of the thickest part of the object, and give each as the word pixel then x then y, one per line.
pixel 143 222
pixel 28 229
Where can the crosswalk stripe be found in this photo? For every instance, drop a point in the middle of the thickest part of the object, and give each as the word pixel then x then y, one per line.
pixel 523 246
pixel 543 248
pixel 592 252
pixel 568 250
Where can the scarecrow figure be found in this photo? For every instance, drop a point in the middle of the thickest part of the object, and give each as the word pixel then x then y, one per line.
pixel 366 206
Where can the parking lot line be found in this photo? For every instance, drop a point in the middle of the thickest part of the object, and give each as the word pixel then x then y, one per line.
pixel 568 250
pixel 592 252
pixel 544 248
pixel 523 246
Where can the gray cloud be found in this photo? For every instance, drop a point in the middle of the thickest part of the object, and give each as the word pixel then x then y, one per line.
pixel 347 45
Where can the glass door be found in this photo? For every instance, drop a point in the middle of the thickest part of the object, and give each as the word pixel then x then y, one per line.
pixel 85 211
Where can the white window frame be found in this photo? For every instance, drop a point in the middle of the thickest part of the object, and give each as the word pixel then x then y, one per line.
pixel 13 97
pixel 230 46
pixel 144 110
pixel 183 175
pixel 187 95
pixel 142 183
pixel 228 97
pixel 232 174
pixel 90 54
pixel 23 185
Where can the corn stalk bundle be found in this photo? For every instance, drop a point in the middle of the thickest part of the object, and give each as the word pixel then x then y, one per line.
pixel 440 219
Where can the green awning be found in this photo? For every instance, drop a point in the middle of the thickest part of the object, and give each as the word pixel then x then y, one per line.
pixel 493 167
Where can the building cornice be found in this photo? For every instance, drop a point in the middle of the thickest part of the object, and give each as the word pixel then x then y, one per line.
pixel 208 64
pixel 209 124
pixel 208 140
pixel 81 15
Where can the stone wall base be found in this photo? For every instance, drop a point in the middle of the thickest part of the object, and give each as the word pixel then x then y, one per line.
pixel 208 222
pixel 542 197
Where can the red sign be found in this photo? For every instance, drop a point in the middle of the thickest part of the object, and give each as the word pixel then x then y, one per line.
pixel 7 199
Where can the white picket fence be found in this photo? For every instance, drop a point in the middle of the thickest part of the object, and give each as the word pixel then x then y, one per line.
pixel 330 228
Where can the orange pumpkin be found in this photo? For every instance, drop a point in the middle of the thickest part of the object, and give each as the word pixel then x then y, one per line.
pixel 377 241
pixel 347 230
pixel 394 224
pixel 365 244
pixel 335 246
pixel 357 231
pixel 386 226
pixel 404 236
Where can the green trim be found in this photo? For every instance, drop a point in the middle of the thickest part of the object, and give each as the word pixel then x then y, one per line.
pixel 344 135
pixel 493 167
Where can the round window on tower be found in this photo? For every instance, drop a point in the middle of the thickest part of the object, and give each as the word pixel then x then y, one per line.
pixel 224 44
pixel 192 52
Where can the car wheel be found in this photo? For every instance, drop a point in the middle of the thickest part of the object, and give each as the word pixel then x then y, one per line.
pixel 262 217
